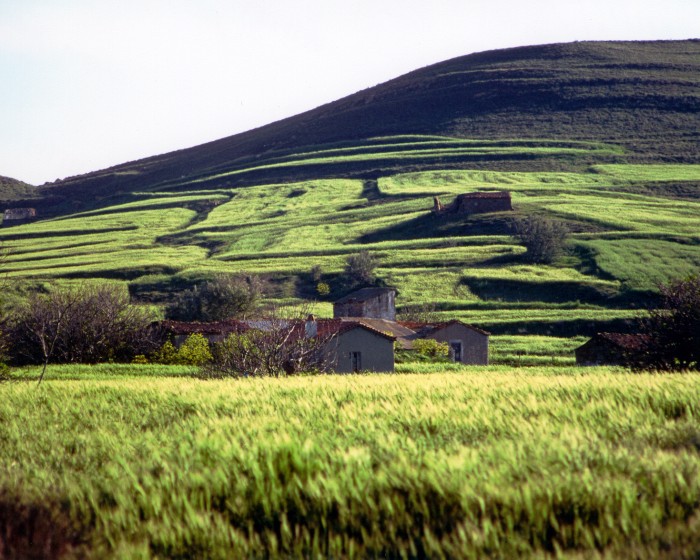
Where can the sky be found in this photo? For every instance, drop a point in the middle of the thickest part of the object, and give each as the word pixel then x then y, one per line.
pixel 85 84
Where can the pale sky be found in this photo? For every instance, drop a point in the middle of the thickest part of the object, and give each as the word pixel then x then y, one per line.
pixel 85 84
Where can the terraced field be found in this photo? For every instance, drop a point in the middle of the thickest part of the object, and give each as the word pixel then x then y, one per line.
pixel 625 237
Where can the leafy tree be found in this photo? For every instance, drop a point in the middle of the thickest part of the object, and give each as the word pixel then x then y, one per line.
pixel 671 333
pixel 224 297
pixel 543 237
pixel 360 269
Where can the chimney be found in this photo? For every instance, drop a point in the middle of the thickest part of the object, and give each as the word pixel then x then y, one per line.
pixel 311 327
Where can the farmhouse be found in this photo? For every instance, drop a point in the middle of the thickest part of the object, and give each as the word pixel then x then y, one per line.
pixel 375 307
pixel 609 349
pixel 361 335
pixel 351 345
pixel 17 216
pixel 475 203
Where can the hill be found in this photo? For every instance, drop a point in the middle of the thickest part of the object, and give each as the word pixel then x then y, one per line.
pixel 642 96
pixel 12 190
pixel 600 136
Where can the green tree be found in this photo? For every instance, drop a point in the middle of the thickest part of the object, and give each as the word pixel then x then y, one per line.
pixel 360 269
pixel 224 297
pixel 544 238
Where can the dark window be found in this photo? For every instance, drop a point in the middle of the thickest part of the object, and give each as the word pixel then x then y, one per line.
pixel 356 359
pixel 456 350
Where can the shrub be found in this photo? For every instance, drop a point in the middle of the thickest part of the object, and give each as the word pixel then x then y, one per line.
pixel 360 269
pixel 194 351
pixel 281 347
pixel 323 289
pixel 431 348
pixel 543 238
pixel 224 297
pixel 166 354
pixel 316 273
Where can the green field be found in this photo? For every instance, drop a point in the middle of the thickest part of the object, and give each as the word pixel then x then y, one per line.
pixel 625 238
pixel 114 461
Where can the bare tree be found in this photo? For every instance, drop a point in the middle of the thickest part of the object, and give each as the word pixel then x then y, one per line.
pixel 89 324
pixel 41 324
pixel 273 346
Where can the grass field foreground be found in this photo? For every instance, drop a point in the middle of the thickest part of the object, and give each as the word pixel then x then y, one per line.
pixel 490 461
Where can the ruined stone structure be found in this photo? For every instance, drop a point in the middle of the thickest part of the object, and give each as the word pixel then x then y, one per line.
pixel 376 303
pixel 15 216
pixel 476 203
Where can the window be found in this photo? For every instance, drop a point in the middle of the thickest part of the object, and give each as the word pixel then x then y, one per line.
pixel 456 350
pixel 356 361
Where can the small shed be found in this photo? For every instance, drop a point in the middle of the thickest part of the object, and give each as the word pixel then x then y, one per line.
pixel 373 303
pixel 607 348
pixel 468 344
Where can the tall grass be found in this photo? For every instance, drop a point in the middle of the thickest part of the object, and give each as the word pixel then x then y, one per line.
pixel 488 461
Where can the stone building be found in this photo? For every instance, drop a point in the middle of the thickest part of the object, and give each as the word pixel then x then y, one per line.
pixel 372 303
pixel 16 216
pixel 475 203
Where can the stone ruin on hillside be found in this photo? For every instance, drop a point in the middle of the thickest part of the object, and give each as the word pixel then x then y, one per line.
pixel 475 203
pixel 15 216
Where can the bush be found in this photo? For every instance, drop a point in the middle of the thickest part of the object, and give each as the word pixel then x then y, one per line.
pixel 543 238
pixel 360 269
pixel 431 348
pixel 323 289
pixel 226 296
pixel 194 351
pixel 282 347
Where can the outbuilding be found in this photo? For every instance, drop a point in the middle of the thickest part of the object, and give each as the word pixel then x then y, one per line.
pixel 607 348
pixel 468 344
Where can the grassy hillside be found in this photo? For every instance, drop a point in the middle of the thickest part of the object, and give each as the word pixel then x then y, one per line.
pixel 632 226
pixel 361 174
pixel 642 96
pixel 12 190
pixel 484 462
